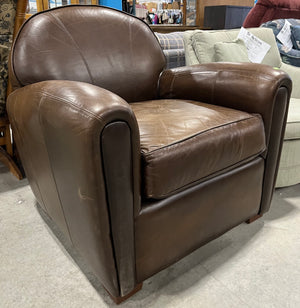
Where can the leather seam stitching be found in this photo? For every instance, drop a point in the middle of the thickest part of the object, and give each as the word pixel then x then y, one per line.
pixel 71 104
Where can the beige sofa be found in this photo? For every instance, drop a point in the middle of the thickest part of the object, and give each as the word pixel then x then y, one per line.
pixel 205 47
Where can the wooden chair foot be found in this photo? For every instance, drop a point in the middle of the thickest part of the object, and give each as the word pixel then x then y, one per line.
pixel 250 220
pixel 9 162
pixel 118 300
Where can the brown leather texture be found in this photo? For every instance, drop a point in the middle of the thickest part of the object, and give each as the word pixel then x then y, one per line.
pixel 117 164
pixel 93 44
pixel 88 153
pixel 247 87
pixel 178 135
pixel 169 229
pixel 279 117
pixel 232 85
pixel 58 127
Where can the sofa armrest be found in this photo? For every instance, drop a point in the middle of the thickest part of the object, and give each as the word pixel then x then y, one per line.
pixel 294 73
pixel 253 88
pixel 80 148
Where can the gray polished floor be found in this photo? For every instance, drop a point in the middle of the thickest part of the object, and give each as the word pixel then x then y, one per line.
pixel 255 265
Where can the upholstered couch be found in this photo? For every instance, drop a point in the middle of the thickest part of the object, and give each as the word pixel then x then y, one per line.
pixel 292 56
pixel 266 10
pixel 200 47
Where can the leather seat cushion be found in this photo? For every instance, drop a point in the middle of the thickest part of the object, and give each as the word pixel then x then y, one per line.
pixel 184 142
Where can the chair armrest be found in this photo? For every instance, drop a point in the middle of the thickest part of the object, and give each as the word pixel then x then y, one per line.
pixel 253 88
pixel 244 86
pixel 80 148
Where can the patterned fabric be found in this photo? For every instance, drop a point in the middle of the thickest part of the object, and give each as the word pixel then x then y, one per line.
pixel 291 57
pixel 175 57
pixel 173 48
pixel 173 40
pixel 7 19
pixel 295 30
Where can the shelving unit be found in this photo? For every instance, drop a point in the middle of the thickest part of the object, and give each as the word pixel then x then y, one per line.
pixel 41 5
pixel 191 12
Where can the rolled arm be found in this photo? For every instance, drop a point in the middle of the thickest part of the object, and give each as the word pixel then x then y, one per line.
pixel 79 145
pixel 247 87
pixel 253 88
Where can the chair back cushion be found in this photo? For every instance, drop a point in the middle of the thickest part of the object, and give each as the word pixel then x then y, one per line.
pixel 92 44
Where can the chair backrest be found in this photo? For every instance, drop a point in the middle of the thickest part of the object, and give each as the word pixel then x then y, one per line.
pixel 92 44
pixel 266 10
pixel 204 41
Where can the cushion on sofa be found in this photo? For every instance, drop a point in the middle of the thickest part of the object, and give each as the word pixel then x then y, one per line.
pixel 173 48
pixel 291 57
pixel 177 135
pixel 295 36
pixel 234 51
pixel 173 40
pixel 203 44
pixel 174 57
pixel 190 56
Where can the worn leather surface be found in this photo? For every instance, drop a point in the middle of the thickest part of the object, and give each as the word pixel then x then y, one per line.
pixel 116 146
pixel 231 85
pixel 58 127
pixel 228 84
pixel 79 141
pixel 279 117
pixel 184 141
pixel 169 229
pixel 93 44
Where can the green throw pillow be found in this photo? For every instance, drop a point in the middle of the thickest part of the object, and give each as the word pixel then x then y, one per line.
pixel 234 51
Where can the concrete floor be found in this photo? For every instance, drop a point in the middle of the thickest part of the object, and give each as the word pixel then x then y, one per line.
pixel 255 265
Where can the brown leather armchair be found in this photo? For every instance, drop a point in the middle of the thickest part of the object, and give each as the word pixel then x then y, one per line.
pixel 138 165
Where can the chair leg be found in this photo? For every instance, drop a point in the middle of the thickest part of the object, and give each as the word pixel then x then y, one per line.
pixel 250 220
pixel 118 300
